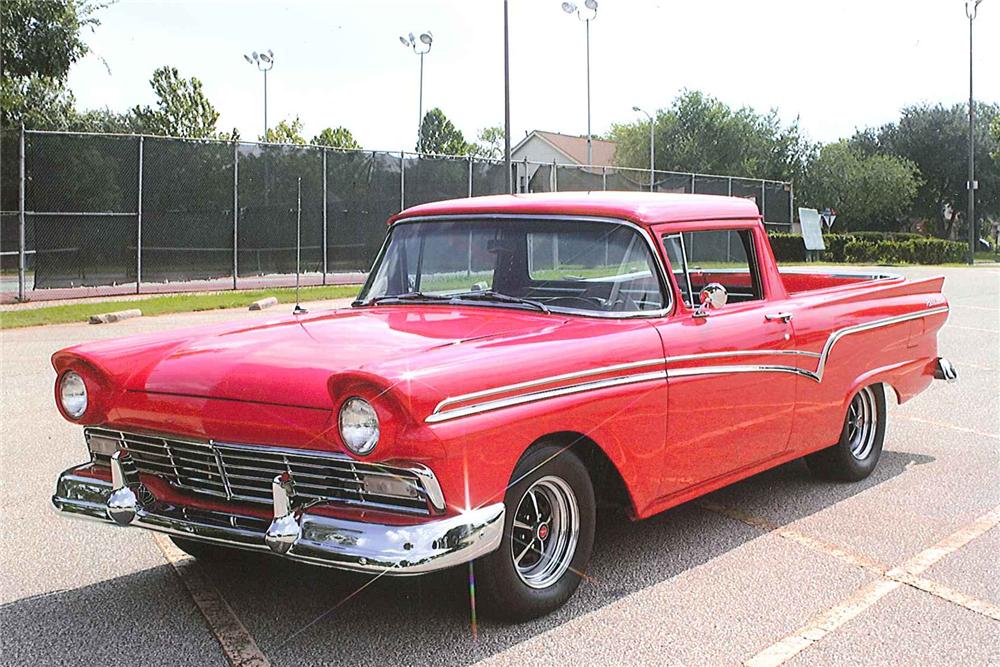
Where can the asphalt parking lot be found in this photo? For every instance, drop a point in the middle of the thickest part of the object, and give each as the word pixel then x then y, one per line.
pixel 901 568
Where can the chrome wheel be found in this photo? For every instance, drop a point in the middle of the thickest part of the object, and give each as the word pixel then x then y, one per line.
pixel 862 423
pixel 545 532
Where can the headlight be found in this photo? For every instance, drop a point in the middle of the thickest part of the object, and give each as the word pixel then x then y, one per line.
pixel 358 425
pixel 73 394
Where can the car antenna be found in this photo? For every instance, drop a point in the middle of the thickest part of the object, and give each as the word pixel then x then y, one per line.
pixel 298 247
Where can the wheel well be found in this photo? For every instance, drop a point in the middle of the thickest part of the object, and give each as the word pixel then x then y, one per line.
pixel 609 487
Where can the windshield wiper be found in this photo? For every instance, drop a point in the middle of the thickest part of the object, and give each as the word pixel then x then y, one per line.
pixel 406 296
pixel 499 297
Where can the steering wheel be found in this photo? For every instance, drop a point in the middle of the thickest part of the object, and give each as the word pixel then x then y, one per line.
pixel 588 301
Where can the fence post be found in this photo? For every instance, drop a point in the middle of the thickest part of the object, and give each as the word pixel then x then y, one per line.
pixel 763 194
pixel 20 225
pixel 604 179
pixel 402 180
pixel 730 186
pixel 555 177
pixel 692 184
pixel 236 210
pixel 470 175
pixel 524 187
pixel 791 205
pixel 324 216
pixel 138 227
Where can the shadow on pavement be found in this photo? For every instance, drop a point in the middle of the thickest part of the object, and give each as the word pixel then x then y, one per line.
pixel 308 615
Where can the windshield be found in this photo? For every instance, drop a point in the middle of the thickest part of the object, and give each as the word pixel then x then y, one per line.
pixel 599 267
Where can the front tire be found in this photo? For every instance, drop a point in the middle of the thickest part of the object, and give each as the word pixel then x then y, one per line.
pixel 857 453
pixel 548 537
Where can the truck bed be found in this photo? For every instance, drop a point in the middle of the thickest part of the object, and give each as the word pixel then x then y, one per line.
pixel 798 281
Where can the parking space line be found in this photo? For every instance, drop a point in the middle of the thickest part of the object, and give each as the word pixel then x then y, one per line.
pixel 976 329
pixel 237 643
pixel 840 553
pixel 826 622
pixel 953 427
pixel 950 594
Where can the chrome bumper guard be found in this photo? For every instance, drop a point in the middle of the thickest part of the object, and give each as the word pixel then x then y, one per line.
pixel 293 532
pixel 945 371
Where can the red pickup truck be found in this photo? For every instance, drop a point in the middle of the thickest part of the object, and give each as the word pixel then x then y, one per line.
pixel 510 361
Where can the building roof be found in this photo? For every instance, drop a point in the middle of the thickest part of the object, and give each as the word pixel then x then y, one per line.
pixel 575 147
pixel 644 208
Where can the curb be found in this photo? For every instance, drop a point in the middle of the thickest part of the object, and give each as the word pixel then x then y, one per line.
pixel 117 316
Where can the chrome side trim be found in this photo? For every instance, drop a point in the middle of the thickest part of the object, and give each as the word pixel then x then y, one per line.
pixel 541 395
pixel 741 353
pixel 867 326
pixel 546 380
pixel 738 368
pixel 442 413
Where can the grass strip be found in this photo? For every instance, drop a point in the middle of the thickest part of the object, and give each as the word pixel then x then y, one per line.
pixel 162 305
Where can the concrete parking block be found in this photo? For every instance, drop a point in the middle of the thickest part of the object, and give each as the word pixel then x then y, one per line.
pixel 117 316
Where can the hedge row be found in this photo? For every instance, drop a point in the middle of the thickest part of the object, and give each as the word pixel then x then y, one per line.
pixel 872 248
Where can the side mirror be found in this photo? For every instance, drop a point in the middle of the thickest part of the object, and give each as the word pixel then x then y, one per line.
pixel 713 296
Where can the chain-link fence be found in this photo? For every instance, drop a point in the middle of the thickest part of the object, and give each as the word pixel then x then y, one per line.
pixel 111 214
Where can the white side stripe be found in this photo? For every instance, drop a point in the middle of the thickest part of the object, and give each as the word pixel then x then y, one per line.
pixel 442 412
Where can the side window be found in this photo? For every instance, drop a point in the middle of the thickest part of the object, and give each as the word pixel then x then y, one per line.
pixel 725 256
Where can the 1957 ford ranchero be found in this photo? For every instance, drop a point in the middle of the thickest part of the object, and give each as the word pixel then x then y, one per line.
pixel 510 361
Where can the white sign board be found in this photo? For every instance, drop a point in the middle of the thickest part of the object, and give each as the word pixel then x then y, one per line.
pixel 812 229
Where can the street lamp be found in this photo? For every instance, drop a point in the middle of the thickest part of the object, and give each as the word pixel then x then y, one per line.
pixel 971 8
pixel 652 147
pixel 586 17
pixel 264 62
pixel 421 46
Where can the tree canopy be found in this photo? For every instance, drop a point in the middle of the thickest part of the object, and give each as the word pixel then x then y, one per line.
pixel 700 133
pixel 489 143
pixel 182 108
pixel 439 135
pixel 336 137
pixel 868 191
pixel 935 138
pixel 39 41
pixel 285 132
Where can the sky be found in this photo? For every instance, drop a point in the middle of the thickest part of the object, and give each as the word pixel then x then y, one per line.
pixel 836 65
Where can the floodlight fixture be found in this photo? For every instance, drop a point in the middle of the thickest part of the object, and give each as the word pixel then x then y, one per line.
pixel 427 38
pixel 568 7
pixel 592 4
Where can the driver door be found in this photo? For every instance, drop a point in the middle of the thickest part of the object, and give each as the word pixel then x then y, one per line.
pixel 726 410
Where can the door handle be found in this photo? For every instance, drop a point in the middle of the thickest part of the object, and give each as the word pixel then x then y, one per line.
pixel 773 317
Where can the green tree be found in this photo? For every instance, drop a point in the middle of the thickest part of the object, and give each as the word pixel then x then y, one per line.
pixel 439 135
pixel 489 143
pixel 935 138
pixel 182 109
pixel 285 132
pixel 39 41
pixel 338 137
pixel 995 133
pixel 869 191
pixel 702 134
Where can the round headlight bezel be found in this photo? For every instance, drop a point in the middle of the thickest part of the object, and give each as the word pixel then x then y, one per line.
pixel 73 405
pixel 353 412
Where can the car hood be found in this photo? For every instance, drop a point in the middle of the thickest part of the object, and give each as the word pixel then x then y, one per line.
pixel 290 361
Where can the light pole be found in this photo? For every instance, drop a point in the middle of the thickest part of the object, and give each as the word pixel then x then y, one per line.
pixel 264 62
pixel 571 8
pixel 971 8
pixel 652 145
pixel 506 102
pixel 421 46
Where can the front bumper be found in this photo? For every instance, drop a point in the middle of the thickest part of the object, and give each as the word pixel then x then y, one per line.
pixel 293 533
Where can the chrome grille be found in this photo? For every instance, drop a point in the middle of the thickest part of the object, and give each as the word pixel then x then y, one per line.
pixel 245 472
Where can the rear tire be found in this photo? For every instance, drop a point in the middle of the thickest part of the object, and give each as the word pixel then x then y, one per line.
pixel 857 453
pixel 548 537
pixel 207 552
